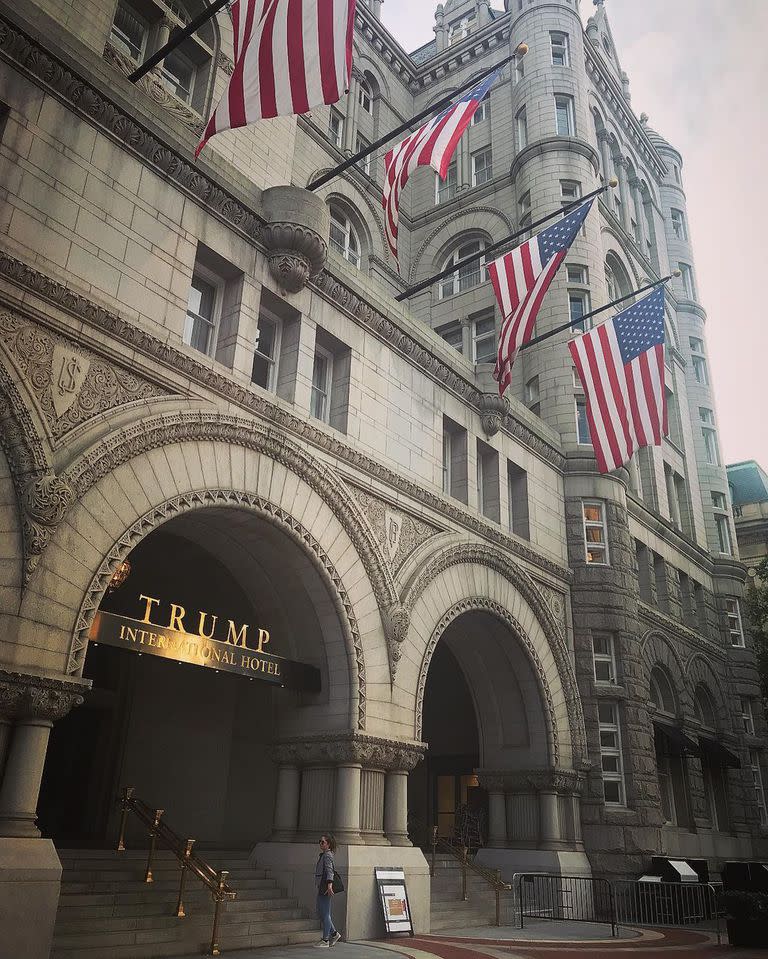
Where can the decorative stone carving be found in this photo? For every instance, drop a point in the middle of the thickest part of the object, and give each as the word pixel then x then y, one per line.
pixel 556 601
pixel 494 410
pixel 296 235
pixel 396 622
pixel 44 502
pixel 152 84
pixel 225 63
pixel 346 747
pixel 217 497
pixel 553 779
pixel 71 385
pixel 398 532
pixel 25 696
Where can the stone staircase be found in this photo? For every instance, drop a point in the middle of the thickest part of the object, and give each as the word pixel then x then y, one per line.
pixel 448 910
pixel 107 911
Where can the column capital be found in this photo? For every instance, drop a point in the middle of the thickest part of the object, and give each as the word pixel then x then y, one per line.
pixel 344 749
pixel 29 696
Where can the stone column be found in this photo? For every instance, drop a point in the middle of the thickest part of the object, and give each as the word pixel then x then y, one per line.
pixel 5 742
pixel 286 803
pixel 605 155
pixel 621 173
pixel 350 118
pixel 548 816
pixel 441 33
pixel 637 202
pixel 466 337
pixel 396 807
pixel 497 818
pixel 346 808
pixel 23 774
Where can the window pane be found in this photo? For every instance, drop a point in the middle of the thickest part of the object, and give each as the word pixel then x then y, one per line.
pixel 129 32
pixel 603 671
pixel 593 513
pixel 201 298
pixel 612 791
pixel 178 74
pixel 606 714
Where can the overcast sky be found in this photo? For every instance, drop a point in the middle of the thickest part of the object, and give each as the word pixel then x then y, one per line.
pixel 699 69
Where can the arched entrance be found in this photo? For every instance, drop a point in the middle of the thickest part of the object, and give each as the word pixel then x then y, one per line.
pixel 196 735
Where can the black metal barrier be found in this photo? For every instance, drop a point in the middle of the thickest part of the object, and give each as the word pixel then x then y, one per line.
pixel 571 898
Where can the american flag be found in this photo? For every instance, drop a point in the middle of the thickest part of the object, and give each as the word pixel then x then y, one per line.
pixel 520 281
pixel 290 55
pixel 432 144
pixel 621 367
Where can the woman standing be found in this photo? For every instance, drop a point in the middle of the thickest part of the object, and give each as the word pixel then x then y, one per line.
pixel 324 872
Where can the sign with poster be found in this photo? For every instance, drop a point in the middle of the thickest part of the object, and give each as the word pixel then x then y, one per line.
pixel 394 899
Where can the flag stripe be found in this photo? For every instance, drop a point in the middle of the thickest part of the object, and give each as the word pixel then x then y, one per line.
pixel 290 55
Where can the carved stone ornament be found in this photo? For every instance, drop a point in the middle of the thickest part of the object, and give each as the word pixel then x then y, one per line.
pixel 494 410
pixel 44 502
pixel 296 235
pixel 25 696
pixel 396 622
pixel 333 749
pixel 71 385
pixel 554 779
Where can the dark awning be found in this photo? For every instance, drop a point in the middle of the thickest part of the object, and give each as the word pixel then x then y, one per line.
pixel 676 740
pixel 715 754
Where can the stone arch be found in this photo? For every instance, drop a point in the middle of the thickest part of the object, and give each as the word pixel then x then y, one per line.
pixel 358 220
pixel 369 67
pixel 657 650
pixel 265 510
pixel 479 220
pixel 346 189
pixel 491 581
pixel 616 254
pixel 699 672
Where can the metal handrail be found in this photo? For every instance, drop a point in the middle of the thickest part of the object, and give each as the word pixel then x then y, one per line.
pixel 160 833
pixel 461 853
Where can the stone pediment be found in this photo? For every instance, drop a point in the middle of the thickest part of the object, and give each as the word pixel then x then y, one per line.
pixel 70 383
pixel 397 532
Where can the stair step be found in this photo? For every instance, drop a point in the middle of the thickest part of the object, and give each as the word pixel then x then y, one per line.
pixel 159 950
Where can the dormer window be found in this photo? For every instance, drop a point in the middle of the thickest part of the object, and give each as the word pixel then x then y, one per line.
pixel 462 28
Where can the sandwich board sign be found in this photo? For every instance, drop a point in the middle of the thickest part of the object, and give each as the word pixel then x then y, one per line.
pixel 393 896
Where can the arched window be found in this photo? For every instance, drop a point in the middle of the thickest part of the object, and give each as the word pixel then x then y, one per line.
pixel 617 279
pixel 662 694
pixel 344 238
pixel 467 276
pixel 365 95
pixel 704 707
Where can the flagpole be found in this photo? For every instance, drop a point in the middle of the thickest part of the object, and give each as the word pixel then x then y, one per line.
pixel 412 290
pixel 434 108
pixel 602 309
pixel 178 36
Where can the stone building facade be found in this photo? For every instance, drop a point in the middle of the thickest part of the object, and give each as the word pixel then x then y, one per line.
pixel 204 373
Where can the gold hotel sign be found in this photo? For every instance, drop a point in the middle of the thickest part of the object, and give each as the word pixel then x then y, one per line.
pixel 231 648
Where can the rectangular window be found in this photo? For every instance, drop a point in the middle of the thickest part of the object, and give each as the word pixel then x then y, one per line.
pixel 455 480
pixel 365 164
pixel 678 224
pixel 129 33
pixel 610 754
pixel 578 307
pixel 178 75
pixel 482 167
pixel 560 49
pixel 570 191
pixel 747 718
pixel 336 128
pixel 532 398
pixel 723 534
pixel 583 437
pixel 674 509
pixel 488 481
pixel 521 125
pixel 483 111
pixel 322 378
pixel 757 779
pixel 595 534
pixel 462 28
pixel 700 372
pixel 202 313
pixel 266 353
pixel 603 658
pixel 565 123
pixel 446 189
pixel 524 211
pixel 686 280
pixel 709 433
pixel 733 615
pixel 452 334
pixel 484 341
pixel 577 274
pixel 517 500
pixel 686 600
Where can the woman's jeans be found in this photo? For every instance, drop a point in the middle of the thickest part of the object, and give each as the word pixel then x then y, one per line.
pixel 324 909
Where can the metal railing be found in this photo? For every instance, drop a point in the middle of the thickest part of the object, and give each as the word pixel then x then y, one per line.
pixel 573 898
pixel 461 854
pixel 667 904
pixel 161 834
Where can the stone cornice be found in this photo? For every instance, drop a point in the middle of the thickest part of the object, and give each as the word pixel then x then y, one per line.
pixel 349 748
pixel 456 57
pixel 31 696
pixel 555 144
